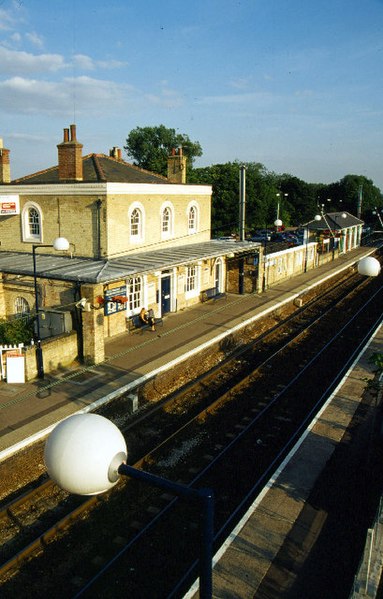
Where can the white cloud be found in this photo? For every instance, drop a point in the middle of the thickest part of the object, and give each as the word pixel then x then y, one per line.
pixel 6 20
pixel 35 39
pixel 82 61
pixel 89 96
pixel 18 62
pixel 241 82
pixel 166 98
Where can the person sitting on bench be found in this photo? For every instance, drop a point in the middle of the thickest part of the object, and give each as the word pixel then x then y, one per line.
pixel 145 318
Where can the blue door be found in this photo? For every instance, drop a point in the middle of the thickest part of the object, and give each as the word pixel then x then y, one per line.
pixel 165 295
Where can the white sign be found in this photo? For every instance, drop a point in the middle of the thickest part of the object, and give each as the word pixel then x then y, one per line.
pixel 9 204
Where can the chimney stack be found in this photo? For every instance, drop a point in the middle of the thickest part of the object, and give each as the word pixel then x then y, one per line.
pixel 70 157
pixel 177 167
pixel 5 167
pixel 115 153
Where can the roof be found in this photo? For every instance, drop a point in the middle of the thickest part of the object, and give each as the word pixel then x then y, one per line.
pixel 334 221
pixel 97 168
pixel 85 270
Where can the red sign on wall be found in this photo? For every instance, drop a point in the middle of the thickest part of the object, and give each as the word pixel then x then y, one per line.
pixel 9 204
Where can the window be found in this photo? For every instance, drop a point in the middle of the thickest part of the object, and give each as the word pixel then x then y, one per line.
pixel 191 278
pixel 166 221
pixel 134 293
pixel 192 219
pixel 135 223
pixel 32 223
pixel 21 306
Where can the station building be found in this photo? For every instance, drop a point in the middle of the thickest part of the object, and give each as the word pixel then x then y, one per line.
pixel 136 239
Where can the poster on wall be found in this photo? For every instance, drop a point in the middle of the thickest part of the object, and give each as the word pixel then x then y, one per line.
pixel 115 300
pixel 9 204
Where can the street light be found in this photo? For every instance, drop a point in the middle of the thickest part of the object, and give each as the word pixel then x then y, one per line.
pixel 321 216
pixel 86 453
pixel 279 196
pixel 60 245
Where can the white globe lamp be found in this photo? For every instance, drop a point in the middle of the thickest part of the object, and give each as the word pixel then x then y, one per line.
pixel 369 266
pixel 278 222
pixel 83 454
pixel 61 244
pixel 317 217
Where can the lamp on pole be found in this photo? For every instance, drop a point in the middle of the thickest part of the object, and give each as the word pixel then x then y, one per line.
pixel 86 453
pixel 280 196
pixel 321 216
pixel 60 244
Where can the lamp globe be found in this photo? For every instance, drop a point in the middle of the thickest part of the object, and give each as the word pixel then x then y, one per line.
pixel 369 266
pixel 83 453
pixel 278 222
pixel 61 244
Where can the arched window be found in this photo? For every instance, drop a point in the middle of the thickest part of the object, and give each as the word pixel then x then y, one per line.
pixel 136 222
pixel 166 221
pixel 192 215
pixel 32 223
pixel 21 306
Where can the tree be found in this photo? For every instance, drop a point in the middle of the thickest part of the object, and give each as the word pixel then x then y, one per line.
pixel 344 194
pixel 150 147
pixel 260 195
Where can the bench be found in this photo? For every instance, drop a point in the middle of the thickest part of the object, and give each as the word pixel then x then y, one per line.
pixel 134 323
pixel 211 294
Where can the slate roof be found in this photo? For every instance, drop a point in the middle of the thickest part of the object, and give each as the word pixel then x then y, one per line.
pixel 334 221
pixel 97 168
pixel 84 270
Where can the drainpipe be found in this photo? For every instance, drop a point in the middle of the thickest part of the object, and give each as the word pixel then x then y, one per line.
pixel 98 206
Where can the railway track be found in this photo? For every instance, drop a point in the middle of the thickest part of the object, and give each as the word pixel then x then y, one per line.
pixel 209 420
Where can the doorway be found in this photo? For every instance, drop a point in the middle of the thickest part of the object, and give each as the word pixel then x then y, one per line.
pixel 165 294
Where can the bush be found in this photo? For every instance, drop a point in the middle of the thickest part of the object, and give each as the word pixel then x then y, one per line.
pixel 18 330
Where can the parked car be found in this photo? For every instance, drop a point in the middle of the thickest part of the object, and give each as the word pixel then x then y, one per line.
pixel 260 237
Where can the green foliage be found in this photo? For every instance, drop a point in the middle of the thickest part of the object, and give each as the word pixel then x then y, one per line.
pixel 377 360
pixel 298 200
pixel 17 330
pixel 344 194
pixel 150 147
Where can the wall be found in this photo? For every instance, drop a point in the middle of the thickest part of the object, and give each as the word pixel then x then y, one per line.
pixel 97 222
pixel 71 216
pixel 58 353
pixel 52 293
pixel 288 263
pixel 118 222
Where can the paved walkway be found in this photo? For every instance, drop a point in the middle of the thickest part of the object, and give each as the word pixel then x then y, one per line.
pixel 29 411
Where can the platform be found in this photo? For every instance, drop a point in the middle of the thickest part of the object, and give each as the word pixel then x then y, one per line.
pixel 29 411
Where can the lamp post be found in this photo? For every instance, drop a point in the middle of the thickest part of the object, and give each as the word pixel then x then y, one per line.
pixel 279 196
pixel 321 216
pixel 59 244
pixel 86 453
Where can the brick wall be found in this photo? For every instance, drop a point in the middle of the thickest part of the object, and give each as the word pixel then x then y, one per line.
pixel 58 353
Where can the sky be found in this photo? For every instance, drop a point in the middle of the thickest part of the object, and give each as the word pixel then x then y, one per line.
pixel 293 84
